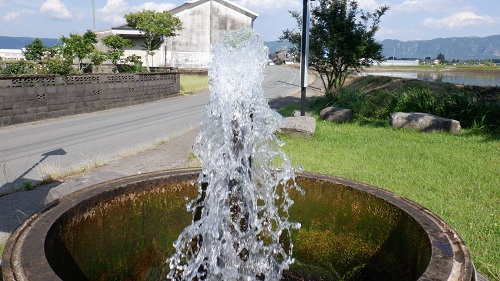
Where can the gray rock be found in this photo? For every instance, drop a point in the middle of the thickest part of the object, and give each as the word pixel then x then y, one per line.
pixel 424 122
pixel 336 114
pixel 299 126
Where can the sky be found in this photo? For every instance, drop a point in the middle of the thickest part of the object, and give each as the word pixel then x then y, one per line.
pixel 406 20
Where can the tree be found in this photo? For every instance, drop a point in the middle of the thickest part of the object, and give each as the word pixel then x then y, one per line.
pixel 115 44
pixel 79 46
pixel 155 45
pixel 35 50
pixel 154 26
pixel 341 38
pixel 440 57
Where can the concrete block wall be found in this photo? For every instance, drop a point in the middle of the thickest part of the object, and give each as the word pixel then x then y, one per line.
pixel 29 98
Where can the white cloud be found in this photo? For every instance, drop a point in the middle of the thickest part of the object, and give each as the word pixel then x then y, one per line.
pixel 457 20
pixel 425 5
pixel 401 33
pixel 114 10
pixel 154 7
pixel 12 16
pixel 271 7
pixel 369 5
pixel 55 9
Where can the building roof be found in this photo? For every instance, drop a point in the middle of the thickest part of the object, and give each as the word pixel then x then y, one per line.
pixel 125 30
pixel 12 51
pixel 234 6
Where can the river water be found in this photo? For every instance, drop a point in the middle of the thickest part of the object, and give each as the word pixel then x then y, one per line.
pixel 455 77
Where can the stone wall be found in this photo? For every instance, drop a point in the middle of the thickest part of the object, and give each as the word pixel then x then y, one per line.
pixel 29 98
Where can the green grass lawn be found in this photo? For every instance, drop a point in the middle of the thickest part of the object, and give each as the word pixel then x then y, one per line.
pixel 455 176
pixel 193 83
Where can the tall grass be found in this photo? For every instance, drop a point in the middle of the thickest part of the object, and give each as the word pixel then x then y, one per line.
pixel 378 97
pixel 54 171
pixel 193 83
pixel 455 176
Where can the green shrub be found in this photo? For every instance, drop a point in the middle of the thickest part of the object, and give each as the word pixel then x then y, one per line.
pixel 19 67
pixel 133 64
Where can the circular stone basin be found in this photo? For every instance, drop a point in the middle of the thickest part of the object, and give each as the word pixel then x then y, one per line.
pixel 124 230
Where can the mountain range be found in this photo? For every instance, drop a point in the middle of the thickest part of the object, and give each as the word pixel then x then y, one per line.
pixel 7 42
pixel 462 48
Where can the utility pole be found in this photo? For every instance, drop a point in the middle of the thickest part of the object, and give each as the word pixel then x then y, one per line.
pixel 93 14
pixel 304 59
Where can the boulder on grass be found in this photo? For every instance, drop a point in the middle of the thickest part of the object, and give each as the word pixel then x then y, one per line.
pixel 336 114
pixel 424 122
pixel 299 126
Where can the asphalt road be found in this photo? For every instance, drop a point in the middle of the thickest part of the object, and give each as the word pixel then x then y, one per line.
pixel 27 151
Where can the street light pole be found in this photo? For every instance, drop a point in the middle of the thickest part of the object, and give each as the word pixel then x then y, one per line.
pixel 93 13
pixel 304 63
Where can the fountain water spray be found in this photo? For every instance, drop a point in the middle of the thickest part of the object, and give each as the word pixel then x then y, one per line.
pixel 240 229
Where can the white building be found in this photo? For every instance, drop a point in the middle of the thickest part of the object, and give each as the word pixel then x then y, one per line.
pixel 204 23
pixel 12 54
pixel 399 63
